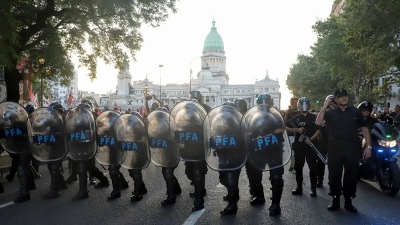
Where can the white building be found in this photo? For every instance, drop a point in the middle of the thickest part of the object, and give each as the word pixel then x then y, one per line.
pixel 61 93
pixel 212 81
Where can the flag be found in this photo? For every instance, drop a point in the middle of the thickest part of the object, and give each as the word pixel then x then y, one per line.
pixel 70 99
pixel 115 106
pixel 34 101
pixel 98 111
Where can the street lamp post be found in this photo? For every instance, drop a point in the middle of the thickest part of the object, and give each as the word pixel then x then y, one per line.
pixel 41 68
pixel 190 75
pixel 161 66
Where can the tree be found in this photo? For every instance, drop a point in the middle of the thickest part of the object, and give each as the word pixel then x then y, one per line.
pixel 309 79
pixel 55 29
pixel 345 66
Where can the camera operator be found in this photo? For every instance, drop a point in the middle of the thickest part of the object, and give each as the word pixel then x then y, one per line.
pixel 303 125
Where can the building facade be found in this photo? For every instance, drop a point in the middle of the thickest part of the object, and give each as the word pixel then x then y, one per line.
pixel 212 81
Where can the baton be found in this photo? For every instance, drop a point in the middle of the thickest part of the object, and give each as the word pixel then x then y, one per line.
pixel 312 146
pixel 318 153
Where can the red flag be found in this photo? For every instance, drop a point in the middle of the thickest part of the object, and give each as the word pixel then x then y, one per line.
pixel 115 106
pixel 98 111
pixel 70 99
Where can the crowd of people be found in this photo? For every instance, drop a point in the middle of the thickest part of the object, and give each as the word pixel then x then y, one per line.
pixel 333 133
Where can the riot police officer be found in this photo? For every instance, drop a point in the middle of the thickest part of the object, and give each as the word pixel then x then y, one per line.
pixel 14 117
pixel 366 108
pixel 87 165
pixel 57 182
pixel 197 170
pixel 304 124
pixel 229 177
pixel 255 175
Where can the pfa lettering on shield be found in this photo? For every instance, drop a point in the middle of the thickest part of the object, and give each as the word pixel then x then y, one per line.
pixel 265 142
pixel 80 136
pixel 45 139
pixel 188 136
pixel 158 143
pixel 223 142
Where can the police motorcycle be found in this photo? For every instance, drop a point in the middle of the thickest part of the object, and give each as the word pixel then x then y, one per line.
pixel 382 165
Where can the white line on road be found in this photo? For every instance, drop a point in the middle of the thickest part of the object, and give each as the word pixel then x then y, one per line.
pixel 6 204
pixel 194 217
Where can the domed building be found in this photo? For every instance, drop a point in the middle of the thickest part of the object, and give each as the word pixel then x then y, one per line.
pixel 212 81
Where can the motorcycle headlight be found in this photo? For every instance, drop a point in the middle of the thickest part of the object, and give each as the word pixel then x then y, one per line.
pixel 387 143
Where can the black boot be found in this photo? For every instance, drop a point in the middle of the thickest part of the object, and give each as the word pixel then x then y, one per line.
pixel 115 180
pixel 171 198
pixel 335 203
pixel 320 183
pixel 277 189
pixel 23 180
pixel 313 190
pixel 230 209
pixel 348 205
pixel 274 209
pixel 258 198
pixel 177 187
pixel 299 189
pixel 198 204
pixel 123 183
pixel 103 183
pixel 138 185
pixel 83 192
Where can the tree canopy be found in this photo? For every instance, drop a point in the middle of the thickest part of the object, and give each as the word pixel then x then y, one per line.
pixel 92 29
pixel 357 47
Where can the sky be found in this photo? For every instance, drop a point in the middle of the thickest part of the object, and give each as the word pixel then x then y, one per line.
pixel 258 35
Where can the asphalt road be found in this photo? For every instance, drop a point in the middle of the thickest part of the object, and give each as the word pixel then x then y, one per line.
pixel 373 205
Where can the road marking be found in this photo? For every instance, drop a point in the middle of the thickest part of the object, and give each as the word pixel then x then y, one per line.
pixel 7 204
pixel 194 217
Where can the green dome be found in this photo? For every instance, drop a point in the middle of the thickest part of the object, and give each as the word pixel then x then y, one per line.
pixel 213 40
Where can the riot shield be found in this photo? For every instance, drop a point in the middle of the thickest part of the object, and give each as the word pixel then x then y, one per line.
pixel 13 131
pixel 81 133
pixel 131 136
pixel 224 144
pixel 47 136
pixel 107 152
pixel 161 139
pixel 265 136
pixel 188 130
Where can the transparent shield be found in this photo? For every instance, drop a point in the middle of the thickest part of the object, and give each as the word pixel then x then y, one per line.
pixel 266 139
pixel 188 117
pixel 107 152
pixel 131 136
pixel 224 147
pixel 13 128
pixel 81 133
pixel 47 137
pixel 163 148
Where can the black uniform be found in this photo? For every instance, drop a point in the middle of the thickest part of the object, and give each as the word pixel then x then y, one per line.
pixel 196 173
pixel 323 149
pixel 303 152
pixel 343 150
